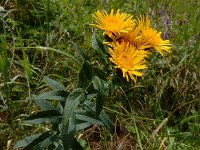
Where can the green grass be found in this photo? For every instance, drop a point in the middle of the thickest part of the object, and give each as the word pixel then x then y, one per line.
pixel 161 111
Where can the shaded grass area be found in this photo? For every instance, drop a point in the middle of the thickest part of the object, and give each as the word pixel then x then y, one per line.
pixel 161 111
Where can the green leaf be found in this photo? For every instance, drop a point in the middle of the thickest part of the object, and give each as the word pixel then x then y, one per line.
pixel 59 95
pixel 53 84
pixel 73 100
pixel 97 83
pixel 106 121
pixel 89 106
pixel 181 134
pixel 99 103
pixel 26 141
pixel 57 51
pixel 89 119
pixel 37 141
pixel 80 111
pixel 98 45
pixel 67 138
pixel 99 86
pixel 188 118
pixel 68 112
pixel 44 144
pixel 90 96
pixel 111 87
pixel 78 94
pixel 48 120
pixel 98 72
pixel 43 104
pixel 49 116
pixel 68 123
pixel 82 126
pixel 85 75
pixel 99 48
pixel 59 146
pixel 84 112
pixel 60 107
pixel 81 53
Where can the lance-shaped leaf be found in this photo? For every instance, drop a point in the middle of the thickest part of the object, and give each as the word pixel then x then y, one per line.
pixel 98 72
pixel 99 49
pixel 106 121
pixel 43 104
pixel 111 87
pixel 42 143
pixel 53 84
pixel 90 96
pixel 80 52
pixel 37 141
pixel 68 137
pixel 57 51
pixel 92 121
pixel 53 95
pixel 85 75
pixel 26 141
pixel 89 106
pixel 49 116
pixel 99 86
pixel 58 146
pixel 82 126
pixel 68 123
pixel 98 45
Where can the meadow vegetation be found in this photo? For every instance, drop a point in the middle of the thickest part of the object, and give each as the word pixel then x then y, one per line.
pixel 160 111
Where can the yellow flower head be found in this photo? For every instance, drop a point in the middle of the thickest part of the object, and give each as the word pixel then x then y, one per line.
pixel 113 24
pixel 127 58
pixel 150 38
pixel 131 36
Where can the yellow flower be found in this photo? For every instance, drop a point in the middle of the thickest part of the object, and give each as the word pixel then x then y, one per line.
pixel 127 58
pixel 131 36
pixel 114 23
pixel 150 38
